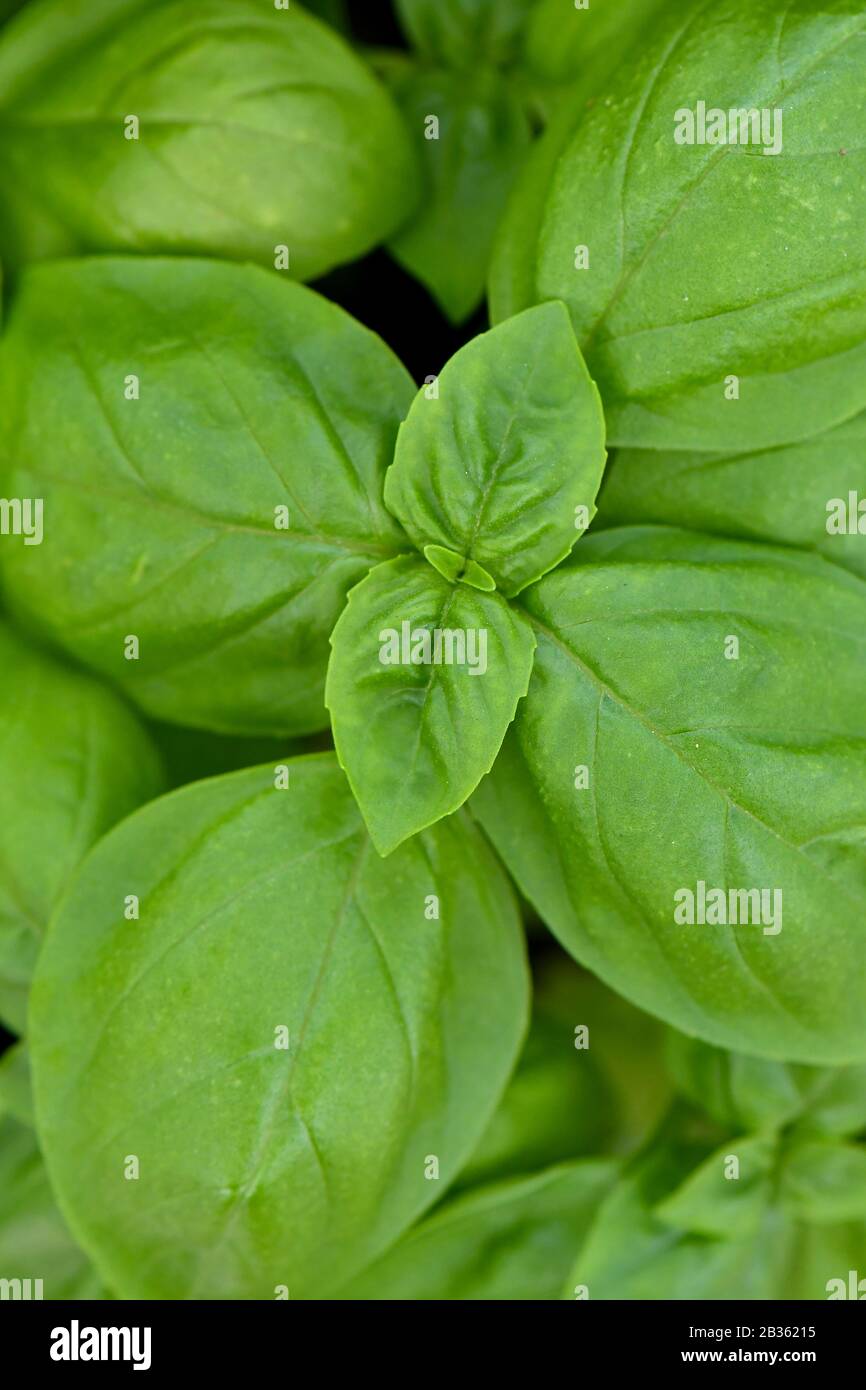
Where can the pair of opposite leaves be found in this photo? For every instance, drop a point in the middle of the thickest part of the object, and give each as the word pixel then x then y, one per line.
pixel 256 396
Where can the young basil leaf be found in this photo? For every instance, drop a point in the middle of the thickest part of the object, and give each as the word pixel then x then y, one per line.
pixel 513 1240
pixel 461 33
pixel 811 494
pixel 630 1253
pixel 584 47
pixel 739 1090
pixel 75 760
pixel 16 1097
pixel 687 258
pixel 824 1181
pixel 502 465
pixel 210 444
pixel 820 1260
pixel 735 1089
pixel 263 1080
pixel 431 671
pixel 470 159
pixel 718 1200
pixel 34 1242
pixel 695 728
pixel 231 130
pixel 556 1107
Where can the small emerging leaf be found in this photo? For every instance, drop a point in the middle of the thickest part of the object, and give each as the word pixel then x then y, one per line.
pixel 504 464
pixel 424 679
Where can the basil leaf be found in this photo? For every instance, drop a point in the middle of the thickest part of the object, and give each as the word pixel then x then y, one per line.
pixel 712 1202
pixel 16 1098
pixel 221 517
pixel 498 466
pixel 460 32
pixel 737 1090
pixel 34 1242
pixel 630 1253
pixel 513 1240
pixel 743 774
pixel 75 760
pixel 257 129
pixel 823 1181
pixel 433 670
pixel 556 1107
pixel 704 313
pixel 564 44
pixel 824 1262
pixel 797 494
pixel 263 909
pixel 470 159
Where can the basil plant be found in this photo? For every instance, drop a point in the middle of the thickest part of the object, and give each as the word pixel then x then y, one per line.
pixel 433 816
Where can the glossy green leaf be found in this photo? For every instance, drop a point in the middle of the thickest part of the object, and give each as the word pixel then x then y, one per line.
pixel 797 494
pixel 266 919
pixel 512 1241
pixel 220 516
pixel 16 1096
pixel 644 762
pixel 463 32
pixel 424 679
pixel 258 129
pixel 75 760
pixel 722 305
pixel 34 1241
pixel 503 464
pixel 469 160
pixel 719 1198
pixel 824 1181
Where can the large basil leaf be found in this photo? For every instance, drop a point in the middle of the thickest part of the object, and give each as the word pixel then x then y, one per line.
pixel 790 494
pixel 470 160
pixel 263 909
pixel 512 1240
pixel 643 763
pixel 736 1089
pixel 497 466
pixel 702 258
pixel 462 32
pixel 432 671
pixel 75 760
pixel 34 1242
pixel 220 517
pixel 257 129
